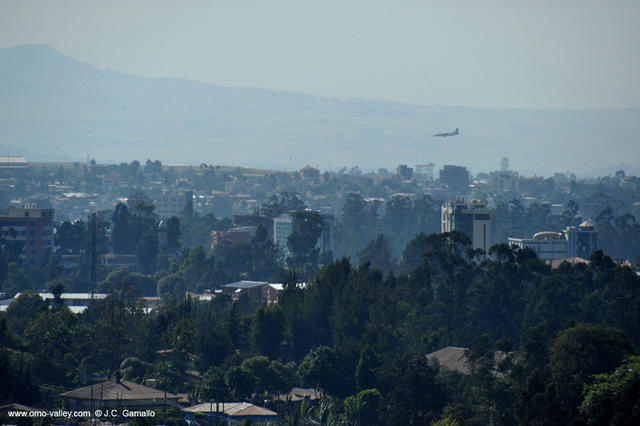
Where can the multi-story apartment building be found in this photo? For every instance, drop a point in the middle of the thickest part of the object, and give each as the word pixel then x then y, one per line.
pixel 31 226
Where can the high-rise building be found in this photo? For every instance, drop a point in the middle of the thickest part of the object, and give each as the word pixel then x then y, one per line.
pixel 581 240
pixel 31 226
pixel 472 218
pixel 285 224
pixel 456 178
pixel 282 228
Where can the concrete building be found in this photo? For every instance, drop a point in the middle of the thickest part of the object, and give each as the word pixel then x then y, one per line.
pixel 424 172
pixel 547 245
pixel 404 171
pixel 282 228
pixel 573 242
pixel 285 224
pixel 31 226
pixel 472 218
pixel 174 203
pixel 237 235
pixel 581 240
pixel 456 178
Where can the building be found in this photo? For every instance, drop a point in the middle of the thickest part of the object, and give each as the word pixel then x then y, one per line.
pixel 253 288
pixel 116 393
pixel 424 172
pixel 456 178
pixel 174 203
pixel 77 302
pixel 404 171
pixel 262 291
pixel 454 358
pixel 31 226
pixel 237 235
pixel 505 181
pixel 473 219
pixel 547 245
pixel 285 224
pixel 573 242
pixel 581 240
pixel 282 228
pixel 231 412
pixel 271 293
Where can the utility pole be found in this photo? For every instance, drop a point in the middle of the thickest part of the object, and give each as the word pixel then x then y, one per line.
pixel 93 230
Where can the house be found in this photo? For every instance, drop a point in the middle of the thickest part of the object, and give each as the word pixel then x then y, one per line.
pixel 231 412
pixel 457 359
pixel 253 288
pixel 117 393
pixel 77 302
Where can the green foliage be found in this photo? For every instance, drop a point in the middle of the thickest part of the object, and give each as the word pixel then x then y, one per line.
pixel 612 398
pixel 365 408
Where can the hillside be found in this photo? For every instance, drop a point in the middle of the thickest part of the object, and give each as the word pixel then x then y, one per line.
pixel 55 108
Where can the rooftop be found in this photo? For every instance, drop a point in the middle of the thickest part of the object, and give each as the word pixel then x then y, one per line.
pixel 233 409
pixel 122 390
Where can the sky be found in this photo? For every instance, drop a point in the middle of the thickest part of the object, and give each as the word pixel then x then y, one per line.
pixel 520 54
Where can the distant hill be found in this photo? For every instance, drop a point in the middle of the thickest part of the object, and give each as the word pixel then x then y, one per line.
pixel 53 107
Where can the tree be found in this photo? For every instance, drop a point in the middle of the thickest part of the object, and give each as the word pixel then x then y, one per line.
pixel 575 355
pixel 613 398
pixel 417 398
pixel 365 375
pixel 302 242
pixel 147 253
pixel 268 330
pixel 378 253
pixel 26 307
pixel 121 236
pixel 173 234
pixel 364 408
pixel 241 382
pixel 319 368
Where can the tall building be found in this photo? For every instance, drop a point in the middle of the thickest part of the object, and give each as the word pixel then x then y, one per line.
pixel 282 228
pixel 31 226
pixel 581 240
pixel 456 178
pixel 285 224
pixel 472 218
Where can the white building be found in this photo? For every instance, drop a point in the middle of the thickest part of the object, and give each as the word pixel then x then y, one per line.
pixel 547 245
pixel 472 218
pixel 574 241
pixel 174 203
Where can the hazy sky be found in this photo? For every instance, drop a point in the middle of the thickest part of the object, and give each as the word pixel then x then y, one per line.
pixel 541 54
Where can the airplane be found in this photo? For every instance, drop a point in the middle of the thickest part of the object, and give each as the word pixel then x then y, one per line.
pixel 444 135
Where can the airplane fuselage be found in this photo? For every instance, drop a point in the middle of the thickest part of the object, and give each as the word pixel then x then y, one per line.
pixel 446 134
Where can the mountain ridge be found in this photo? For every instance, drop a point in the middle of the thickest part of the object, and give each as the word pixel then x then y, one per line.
pixel 55 105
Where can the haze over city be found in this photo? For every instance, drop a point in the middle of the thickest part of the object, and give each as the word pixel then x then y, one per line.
pixel 320 212
pixel 383 79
